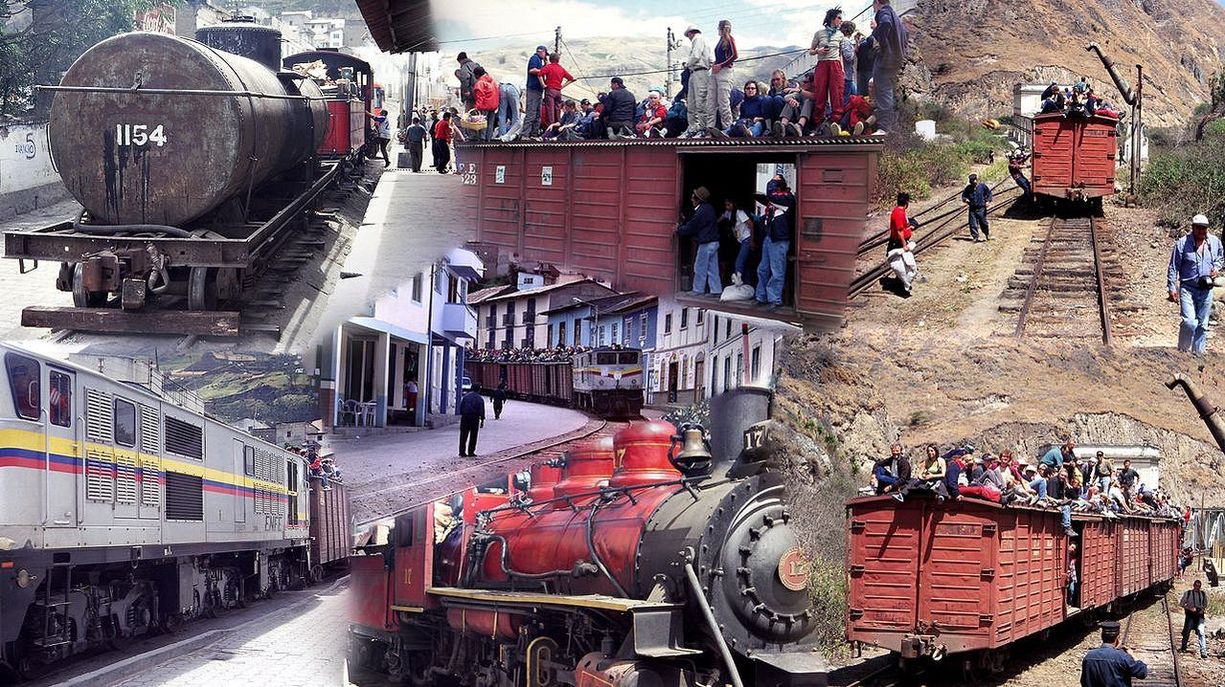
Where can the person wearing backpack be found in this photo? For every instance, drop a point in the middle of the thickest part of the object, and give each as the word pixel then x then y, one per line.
pixel 890 39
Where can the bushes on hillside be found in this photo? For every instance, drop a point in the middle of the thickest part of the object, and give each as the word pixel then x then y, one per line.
pixel 1190 179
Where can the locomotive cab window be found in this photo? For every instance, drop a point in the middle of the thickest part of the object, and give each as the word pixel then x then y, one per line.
pixel 627 358
pixel 740 179
pixel 59 408
pixel 23 372
pixel 609 358
pixel 125 423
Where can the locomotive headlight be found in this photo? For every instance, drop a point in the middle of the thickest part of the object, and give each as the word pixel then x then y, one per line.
pixel 23 578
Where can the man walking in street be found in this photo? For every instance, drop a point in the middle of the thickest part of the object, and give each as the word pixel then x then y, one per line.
pixel 1195 261
pixel 535 92
pixel 976 195
pixel 382 124
pixel 414 138
pixel 1111 664
pixel 702 227
pixel 701 110
pixel 1194 603
pixel 889 39
pixel 442 143
pixel 499 400
pixel 471 420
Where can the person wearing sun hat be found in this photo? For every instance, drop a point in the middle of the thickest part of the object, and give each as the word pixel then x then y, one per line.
pixel 702 227
pixel 1195 262
pixel 701 110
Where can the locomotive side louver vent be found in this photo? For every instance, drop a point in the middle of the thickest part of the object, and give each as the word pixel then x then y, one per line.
pixel 99 416
pixel 150 430
pixel 184 496
pixel 125 479
pixel 99 476
pixel 184 438
pixel 150 481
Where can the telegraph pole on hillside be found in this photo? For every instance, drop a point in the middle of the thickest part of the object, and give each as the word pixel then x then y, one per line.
pixel 668 78
pixel 557 40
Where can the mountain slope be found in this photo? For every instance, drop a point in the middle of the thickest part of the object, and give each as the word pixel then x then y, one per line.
pixel 971 53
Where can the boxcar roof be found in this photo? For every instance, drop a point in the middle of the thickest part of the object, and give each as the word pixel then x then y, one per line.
pixel 981 503
pixel 698 144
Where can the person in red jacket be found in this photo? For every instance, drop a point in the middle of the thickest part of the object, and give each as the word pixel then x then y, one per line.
pixel 442 143
pixel 555 78
pixel 486 92
pixel 653 116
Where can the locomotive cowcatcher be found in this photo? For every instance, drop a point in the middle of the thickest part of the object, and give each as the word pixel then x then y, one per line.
pixel 656 557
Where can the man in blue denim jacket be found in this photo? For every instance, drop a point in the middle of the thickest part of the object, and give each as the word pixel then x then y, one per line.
pixel 1195 261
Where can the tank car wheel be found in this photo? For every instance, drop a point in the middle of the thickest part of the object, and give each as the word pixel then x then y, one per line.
pixel 202 289
pixel 316 574
pixel 30 668
pixel 80 297
pixel 172 623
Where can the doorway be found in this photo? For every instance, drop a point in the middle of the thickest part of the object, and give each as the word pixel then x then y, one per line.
pixel 672 383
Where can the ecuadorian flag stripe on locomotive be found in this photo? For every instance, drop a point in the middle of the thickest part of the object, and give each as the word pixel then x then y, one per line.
pixel 24 449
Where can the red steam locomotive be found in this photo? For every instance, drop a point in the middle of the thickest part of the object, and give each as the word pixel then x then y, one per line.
pixel 651 558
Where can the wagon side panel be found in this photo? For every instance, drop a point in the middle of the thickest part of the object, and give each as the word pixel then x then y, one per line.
pixel 546 203
pixel 647 249
pixel 884 548
pixel 598 195
pixel 500 215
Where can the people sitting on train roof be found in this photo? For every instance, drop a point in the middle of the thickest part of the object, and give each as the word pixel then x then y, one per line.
pixel 892 474
pixel 654 114
pixel 565 128
pixel 330 469
pixel 753 120
pixel 1056 456
pixel 933 471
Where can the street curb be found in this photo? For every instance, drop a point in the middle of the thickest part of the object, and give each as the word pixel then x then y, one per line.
pixel 141 662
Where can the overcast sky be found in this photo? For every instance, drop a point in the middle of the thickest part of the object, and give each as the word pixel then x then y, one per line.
pixel 754 22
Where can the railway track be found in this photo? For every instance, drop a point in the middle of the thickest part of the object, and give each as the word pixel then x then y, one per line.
pixel 1154 642
pixel 438 486
pixel 1061 289
pixel 934 231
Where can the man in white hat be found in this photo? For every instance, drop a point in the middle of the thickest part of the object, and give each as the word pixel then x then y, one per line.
pixel 1196 260
pixel 701 110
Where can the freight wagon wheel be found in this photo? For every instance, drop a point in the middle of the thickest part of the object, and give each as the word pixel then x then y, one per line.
pixel 316 573
pixel 30 668
pixel 82 298
pixel 172 623
pixel 202 289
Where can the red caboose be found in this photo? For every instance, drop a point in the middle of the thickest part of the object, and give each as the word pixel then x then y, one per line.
pixel 1074 157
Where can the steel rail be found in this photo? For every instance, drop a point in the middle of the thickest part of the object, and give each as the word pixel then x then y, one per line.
pixel 880 238
pixel 939 235
pixel 1039 266
pixel 570 438
pixel 1102 301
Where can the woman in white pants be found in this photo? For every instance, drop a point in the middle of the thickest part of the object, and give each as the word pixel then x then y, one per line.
pixel 721 70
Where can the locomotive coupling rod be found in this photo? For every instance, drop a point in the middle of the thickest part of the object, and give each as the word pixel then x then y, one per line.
pixel 104 90
pixel 713 625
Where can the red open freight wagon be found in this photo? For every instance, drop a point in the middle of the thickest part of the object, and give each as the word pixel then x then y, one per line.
pixel 609 209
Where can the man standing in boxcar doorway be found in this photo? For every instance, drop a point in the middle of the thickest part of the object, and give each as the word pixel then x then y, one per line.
pixel 1110 665
pixel 702 227
pixel 1196 260
pixel 471 420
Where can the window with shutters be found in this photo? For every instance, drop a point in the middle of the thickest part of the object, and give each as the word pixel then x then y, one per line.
pixel 184 438
pixel 125 422
pixel 184 497
pixel 24 373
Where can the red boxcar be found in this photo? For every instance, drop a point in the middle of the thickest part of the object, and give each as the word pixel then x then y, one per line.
pixel 1074 158
pixel 349 119
pixel 927 579
pixel 609 209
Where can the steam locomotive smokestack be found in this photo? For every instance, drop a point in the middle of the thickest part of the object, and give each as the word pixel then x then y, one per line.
pixel 731 413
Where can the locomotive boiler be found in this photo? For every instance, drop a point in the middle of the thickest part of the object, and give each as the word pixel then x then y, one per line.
pixel 151 129
pixel 655 557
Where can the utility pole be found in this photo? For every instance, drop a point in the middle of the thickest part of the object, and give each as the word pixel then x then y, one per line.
pixel 557 39
pixel 668 79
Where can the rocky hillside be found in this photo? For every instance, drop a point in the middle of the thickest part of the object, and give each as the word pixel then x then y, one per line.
pixel 971 53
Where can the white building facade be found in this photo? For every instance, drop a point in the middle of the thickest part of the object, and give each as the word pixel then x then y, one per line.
pixel 401 362
pixel 678 366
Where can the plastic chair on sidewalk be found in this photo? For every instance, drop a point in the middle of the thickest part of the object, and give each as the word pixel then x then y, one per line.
pixel 346 408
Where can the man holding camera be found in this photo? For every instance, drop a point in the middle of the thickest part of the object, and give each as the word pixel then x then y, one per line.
pixel 1194 263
